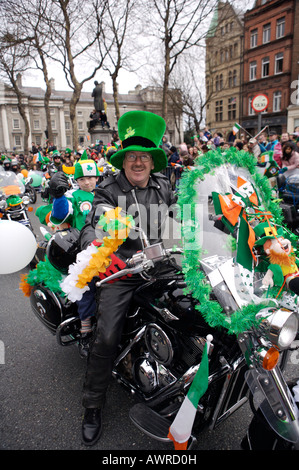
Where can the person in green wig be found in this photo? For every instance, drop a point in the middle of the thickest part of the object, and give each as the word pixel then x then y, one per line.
pixel 138 187
pixel 69 209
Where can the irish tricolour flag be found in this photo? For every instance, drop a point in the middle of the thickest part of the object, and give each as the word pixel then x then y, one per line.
pixel 236 128
pixel 181 428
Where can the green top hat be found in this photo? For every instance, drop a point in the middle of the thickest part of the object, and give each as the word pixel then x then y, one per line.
pixel 85 167
pixel 141 131
pixel 264 232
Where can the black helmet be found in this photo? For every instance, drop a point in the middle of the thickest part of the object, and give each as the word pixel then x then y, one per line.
pixel 62 248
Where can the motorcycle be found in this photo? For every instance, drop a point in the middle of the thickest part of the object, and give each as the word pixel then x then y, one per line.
pixel 288 192
pixel 14 203
pixel 211 299
pixel 30 191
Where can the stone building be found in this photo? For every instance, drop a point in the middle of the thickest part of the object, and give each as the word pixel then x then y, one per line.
pixel 224 50
pixel 12 126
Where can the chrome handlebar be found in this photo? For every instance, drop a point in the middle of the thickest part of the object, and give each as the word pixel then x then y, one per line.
pixel 142 261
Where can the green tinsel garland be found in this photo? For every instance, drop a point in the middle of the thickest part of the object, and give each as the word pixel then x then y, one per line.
pixel 244 318
pixel 46 274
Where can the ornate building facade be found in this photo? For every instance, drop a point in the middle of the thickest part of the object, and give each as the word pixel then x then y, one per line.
pixel 12 126
pixel 224 51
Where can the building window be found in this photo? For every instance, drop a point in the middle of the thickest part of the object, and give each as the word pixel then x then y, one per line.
pixel 250 109
pixel 277 101
pixel 208 87
pixel 232 108
pixel 80 113
pixel 221 57
pixel 38 140
pixel 265 66
pixel 280 24
pixel 266 33
pixel 36 124
pixel 52 111
pixel 16 123
pixel 253 38
pixel 35 111
pixel 17 140
pixel 80 126
pixel 234 78
pixel 219 111
pixel 68 140
pixel 53 124
pixel 14 109
pixel 219 82
pixel 67 125
pixel 279 62
pixel 252 70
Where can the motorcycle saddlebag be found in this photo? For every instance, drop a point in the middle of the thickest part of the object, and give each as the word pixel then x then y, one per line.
pixel 50 309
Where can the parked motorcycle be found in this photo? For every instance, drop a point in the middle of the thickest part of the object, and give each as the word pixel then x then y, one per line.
pixel 14 203
pixel 177 309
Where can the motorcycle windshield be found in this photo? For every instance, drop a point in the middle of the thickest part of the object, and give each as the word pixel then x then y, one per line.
pixel 10 184
pixel 223 203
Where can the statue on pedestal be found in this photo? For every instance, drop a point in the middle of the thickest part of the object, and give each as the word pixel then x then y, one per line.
pixel 97 96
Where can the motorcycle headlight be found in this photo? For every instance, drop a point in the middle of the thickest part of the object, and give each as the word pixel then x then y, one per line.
pixel 280 327
pixel 3 204
pixel 26 199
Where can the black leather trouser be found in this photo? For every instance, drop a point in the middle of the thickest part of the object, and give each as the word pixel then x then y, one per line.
pixel 114 302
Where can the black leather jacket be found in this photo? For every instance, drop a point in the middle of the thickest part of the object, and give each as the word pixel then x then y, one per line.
pixel 149 207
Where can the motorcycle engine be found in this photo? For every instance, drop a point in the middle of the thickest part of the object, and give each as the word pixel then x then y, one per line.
pixel 148 368
pixel 158 344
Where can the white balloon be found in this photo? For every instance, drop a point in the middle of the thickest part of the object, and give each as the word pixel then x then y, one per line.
pixel 17 246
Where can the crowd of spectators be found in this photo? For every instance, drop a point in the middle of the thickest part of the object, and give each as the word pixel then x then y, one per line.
pixel 39 158
pixel 284 149
pixel 185 154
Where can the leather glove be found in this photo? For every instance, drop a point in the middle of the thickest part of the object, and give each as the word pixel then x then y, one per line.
pixel 58 184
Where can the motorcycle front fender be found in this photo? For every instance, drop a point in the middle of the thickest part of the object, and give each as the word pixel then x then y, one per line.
pixel 273 397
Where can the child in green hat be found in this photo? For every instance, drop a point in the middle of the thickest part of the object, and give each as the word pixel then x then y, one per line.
pixel 69 209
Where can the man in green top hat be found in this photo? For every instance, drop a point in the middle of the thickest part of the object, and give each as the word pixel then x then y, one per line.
pixel 138 187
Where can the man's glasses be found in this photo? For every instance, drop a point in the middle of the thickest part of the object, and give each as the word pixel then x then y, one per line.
pixel 131 157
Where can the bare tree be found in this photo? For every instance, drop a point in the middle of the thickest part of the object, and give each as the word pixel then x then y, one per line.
pixel 181 26
pixel 13 62
pixel 118 24
pixel 76 28
pixel 30 29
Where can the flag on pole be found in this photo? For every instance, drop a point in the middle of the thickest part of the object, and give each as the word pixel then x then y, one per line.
pixel 236 128
pixel 181 428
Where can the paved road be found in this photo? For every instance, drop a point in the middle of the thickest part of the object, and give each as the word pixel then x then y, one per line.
pixel 40 391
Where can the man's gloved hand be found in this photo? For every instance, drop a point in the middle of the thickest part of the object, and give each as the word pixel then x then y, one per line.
pixel 116 265
pixel 58 184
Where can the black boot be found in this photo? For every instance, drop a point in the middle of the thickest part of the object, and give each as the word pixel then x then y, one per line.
pixel 84 343
pixel 92 426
